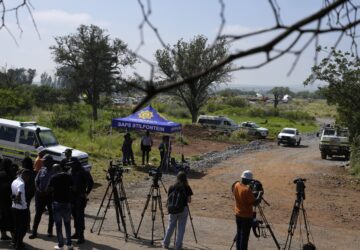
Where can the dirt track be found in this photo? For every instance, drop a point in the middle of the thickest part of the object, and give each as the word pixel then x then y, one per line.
pixel 331 202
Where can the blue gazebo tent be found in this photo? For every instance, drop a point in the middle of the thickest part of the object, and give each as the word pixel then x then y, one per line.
pixel 147 119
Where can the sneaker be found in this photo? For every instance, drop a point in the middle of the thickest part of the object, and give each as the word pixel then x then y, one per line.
pixel 164 246
pixel 33 236
pixel 70 247
pixel 58 248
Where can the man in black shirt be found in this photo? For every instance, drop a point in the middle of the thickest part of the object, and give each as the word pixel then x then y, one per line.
pixel 83 184
pixel 60 186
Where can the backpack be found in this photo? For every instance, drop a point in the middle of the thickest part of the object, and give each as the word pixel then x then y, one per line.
pixel 176 200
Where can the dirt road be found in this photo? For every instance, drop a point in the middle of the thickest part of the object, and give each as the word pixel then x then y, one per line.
pixel 332 203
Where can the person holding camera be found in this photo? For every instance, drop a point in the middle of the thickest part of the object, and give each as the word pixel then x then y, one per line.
pixel 179 196
pixel 244 202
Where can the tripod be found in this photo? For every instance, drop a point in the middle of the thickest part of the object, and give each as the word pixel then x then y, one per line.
pixel 118 195
pixel 155 196
pixel 298 208
pixel 261 225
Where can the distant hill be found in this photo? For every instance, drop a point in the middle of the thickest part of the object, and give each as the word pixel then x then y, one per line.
pixel 267 87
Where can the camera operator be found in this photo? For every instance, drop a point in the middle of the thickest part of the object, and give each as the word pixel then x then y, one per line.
pixel 244 202
pixel 83 184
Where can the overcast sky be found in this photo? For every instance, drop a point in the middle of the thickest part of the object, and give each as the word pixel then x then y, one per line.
pixel 174 19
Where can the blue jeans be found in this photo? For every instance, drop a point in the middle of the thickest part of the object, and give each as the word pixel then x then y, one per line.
pixel 62 212
pixel 179 219
pixel 243 232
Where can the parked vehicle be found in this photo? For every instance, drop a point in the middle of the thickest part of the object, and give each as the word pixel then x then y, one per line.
pixel 254 129
pixel 289 136
pixel 221 123
pixel 16 138
pixel 334 141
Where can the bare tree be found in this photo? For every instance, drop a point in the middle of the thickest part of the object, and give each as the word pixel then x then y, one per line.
pixel 8 7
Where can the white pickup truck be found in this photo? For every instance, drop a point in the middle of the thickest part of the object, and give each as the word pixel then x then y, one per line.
pixel 289 136
pixel 334 141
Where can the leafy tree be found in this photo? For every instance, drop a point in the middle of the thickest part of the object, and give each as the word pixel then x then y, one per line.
pixel 13 101
pixel 13 77
pixel 186 59
pixel 46 79
pixel 279 93
pixel 95 61
pixel 341 73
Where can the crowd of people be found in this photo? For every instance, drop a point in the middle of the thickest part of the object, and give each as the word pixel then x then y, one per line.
pixel 60 189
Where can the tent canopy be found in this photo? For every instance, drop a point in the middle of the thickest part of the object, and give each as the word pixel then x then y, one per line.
pixel 147 119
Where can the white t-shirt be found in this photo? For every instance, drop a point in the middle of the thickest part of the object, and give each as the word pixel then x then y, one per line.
pixel 18 185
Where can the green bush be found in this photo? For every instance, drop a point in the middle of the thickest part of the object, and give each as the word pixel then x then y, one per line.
pixel 239 134
pixel 65 119
pixel 256 112
pixel 212 107
pixel 296 115
pixel 355 156
pixel 14 101
pixel 236 101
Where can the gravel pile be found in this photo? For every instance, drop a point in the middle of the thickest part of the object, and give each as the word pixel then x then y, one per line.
pixel 210 159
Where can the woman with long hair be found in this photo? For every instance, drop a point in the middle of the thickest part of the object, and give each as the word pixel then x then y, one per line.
pixel 179 196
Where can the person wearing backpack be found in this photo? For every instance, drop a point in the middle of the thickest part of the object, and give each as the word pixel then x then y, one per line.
pixel 179 196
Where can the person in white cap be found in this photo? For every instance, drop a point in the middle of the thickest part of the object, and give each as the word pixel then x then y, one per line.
pixel 244 202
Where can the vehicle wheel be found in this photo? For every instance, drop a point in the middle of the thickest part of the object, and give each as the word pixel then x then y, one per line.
pixel 278 143
pixel 258 135
pixel 298 143
pixel 323 155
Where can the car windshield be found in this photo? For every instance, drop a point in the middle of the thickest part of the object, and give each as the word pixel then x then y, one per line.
pixel 48 138
pixel 288 131
pixel 329 132
pixel 254 125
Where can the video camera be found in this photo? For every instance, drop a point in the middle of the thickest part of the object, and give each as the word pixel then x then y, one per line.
pixel 256 187
pixel 300 188
pixel 155 173
pixel 115 171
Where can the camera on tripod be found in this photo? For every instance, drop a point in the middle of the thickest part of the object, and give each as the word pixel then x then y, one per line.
pixel 115 171
pixel 256 187
pixel 300 188
pixel 155 173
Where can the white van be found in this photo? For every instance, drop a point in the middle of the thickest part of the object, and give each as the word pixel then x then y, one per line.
pixel 16 138
pixel 221 123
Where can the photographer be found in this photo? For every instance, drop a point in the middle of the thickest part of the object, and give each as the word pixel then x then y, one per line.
pixel 179 196
pixel 244 202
